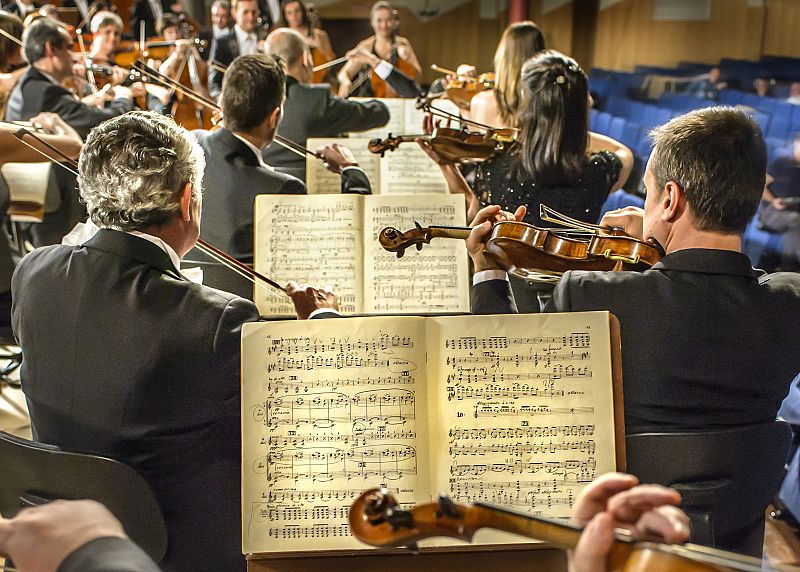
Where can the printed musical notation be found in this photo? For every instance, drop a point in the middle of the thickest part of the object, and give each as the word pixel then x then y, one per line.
pixel 328 415
pixel 503 385
pixel 434 279
pixel 333 407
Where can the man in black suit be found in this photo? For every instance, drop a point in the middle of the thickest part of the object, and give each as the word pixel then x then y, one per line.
pixel 144 364
pixel 20 8
pixel 47 47
pixel 221 24
pixel 312 110
pixel 241 41
pixel 705 343
pixel 150 12
pixel 235 171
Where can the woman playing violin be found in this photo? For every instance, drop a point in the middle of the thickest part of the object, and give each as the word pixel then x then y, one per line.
pixel 555 160
pixel 499 107
pixel 294 15
pixel 386 45
pixel 12 64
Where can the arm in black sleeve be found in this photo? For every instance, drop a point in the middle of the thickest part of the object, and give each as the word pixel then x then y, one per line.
pixel 343 116
pixel 108 554
pixel 493 297
pixel 402 84
pixel 81 117
pixel 355 181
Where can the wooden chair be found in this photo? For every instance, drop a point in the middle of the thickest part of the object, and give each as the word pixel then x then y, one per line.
pixel 726 478
pixel 34 473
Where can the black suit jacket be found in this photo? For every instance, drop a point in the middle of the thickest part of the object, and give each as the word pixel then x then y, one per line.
pixel 141 12
pixel 705 344
pixel 207 35
pixel 143 368
pixel 232 180
pixel 224 49
pixel 34 93
pixel 313 111
pixel 13 7
pixel 108 555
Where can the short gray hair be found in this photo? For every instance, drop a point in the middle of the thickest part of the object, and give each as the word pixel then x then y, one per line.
pixel 718 157
pixel 132 168
pixel 287 44
pixel 103 19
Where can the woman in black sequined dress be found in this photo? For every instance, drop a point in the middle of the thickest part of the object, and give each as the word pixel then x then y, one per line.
pixel 556 161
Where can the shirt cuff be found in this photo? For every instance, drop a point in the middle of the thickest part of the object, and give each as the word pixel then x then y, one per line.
pixel 486 275
pixel 383 69
pixel 323 310
pixel 357 168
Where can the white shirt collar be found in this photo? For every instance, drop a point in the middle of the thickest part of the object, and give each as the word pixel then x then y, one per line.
pixel 244 38
pixel 173 256
pixel 254 149
pixel 49 78
pixel 216 31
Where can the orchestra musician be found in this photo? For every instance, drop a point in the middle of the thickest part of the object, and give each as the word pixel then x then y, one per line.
pixel 294 15
pixel 47 47
pixel 252 97
pixel 556 160
pixel 241 41
pixel 12 64
pixel 20 8
pixel 500 106
pixel 386 45
pixel 169 379
pixel 221 23
pixel 312 110
pixel 708 344
pixel 150 13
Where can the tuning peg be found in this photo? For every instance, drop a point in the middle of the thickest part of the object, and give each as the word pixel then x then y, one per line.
pixel 419 226
pixel 419 246
pixel 400 253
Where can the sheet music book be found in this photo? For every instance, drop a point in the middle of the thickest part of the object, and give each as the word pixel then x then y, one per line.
pixel 406 170
pixel 519 410
pixel 404 117
pixel 332 240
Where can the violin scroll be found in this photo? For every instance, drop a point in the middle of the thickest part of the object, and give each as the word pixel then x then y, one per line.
pixel 381 146
pixel 394 240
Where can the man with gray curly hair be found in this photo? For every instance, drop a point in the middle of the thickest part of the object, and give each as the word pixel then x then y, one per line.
pixel 143 365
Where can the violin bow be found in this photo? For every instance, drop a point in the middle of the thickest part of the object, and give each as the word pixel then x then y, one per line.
pixel 150 72
pixel 330 64
pixel 231 263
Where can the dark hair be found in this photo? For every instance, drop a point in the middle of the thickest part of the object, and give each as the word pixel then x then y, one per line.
pixel 40 33
pixel 282 23
pixel 252 88
pixel 554 119
pixel 168 20
pixel 718 157
pixel 12 25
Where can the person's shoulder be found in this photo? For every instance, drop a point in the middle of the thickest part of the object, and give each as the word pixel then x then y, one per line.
pixel 45 255
pixel 366 43
pixel 402 40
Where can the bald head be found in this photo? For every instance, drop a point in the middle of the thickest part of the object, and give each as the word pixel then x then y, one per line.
pixel 289 45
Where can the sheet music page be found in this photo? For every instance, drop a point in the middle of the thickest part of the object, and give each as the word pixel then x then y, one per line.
pixel 408 170
pixel 521 409
pixel 397 117
pixel 435 279
pixel 330 408
pixel 315 240
pixel 320 181
pixel 413 116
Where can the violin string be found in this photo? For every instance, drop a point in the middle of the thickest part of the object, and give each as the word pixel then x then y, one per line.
pixel 428 108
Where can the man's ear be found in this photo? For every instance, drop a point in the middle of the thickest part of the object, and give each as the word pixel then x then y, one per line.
pixel 673 201
pixel 274 117
pixel 186 202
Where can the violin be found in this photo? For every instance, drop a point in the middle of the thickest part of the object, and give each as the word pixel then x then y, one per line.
pixel 542 254
pixel 376 519
pixel 454 145
pixel 461 89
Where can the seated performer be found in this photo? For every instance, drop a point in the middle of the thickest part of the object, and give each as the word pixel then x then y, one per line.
pixel 311 110
pixel 706 344
pixel 252 95
pixel 295 15
pixel 386 45
pixel 144 364
pixel 83 536
pixel 47 48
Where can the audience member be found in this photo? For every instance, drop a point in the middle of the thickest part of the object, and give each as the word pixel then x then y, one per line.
pixel 794 93
pixel 780 212
pixel 707 87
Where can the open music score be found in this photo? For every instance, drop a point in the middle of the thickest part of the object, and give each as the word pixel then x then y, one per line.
pixel 332 407
pixel 406 170
pixel 332 240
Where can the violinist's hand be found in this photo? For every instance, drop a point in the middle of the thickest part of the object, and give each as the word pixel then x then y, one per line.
pixel 466 70
pixel 344 86
pixel 615 501
pixel 336 157
pixel 482 229
pixel 96 99
pixel 362 57
pixel 138 89
pixel 629 219
pixel 121 92
pixel 426 146
pixel 307 298
pixel 311 41
pixel 403 49
pixel 182 46
pixel 51 123
pixel 41 537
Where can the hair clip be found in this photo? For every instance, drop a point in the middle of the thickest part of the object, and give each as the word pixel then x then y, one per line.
pixel 561 79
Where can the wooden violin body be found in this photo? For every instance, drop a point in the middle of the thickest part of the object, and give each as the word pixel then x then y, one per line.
pixel 455 145
pixel 376 519
pixel 461 90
